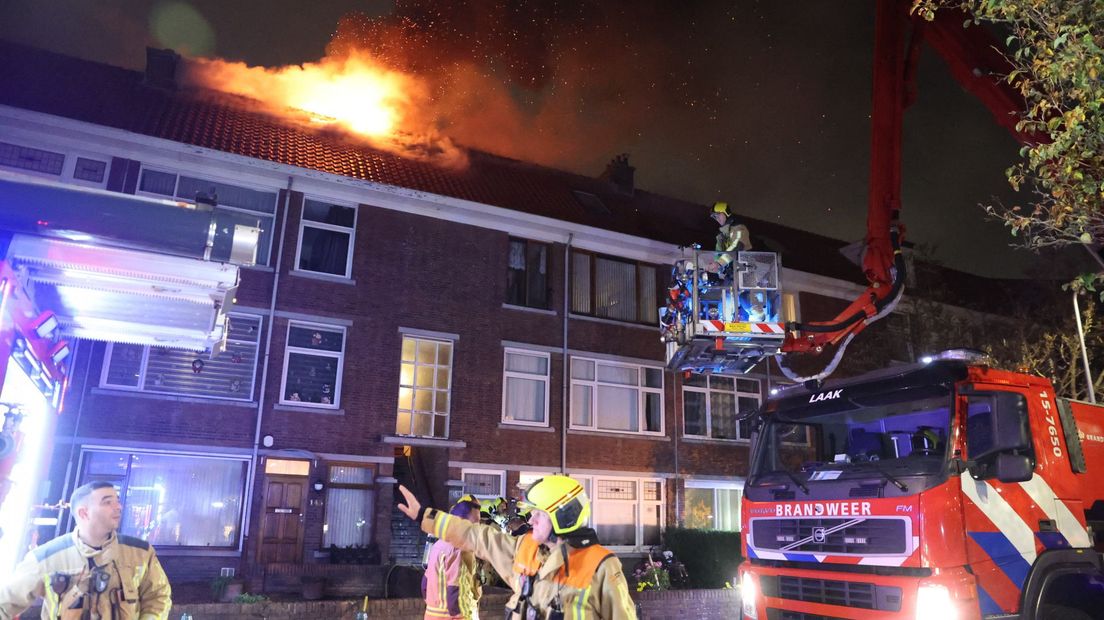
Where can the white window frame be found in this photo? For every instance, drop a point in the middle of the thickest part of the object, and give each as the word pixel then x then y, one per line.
pixel 70 168
pixel 271 217
pixel 547 378
pixel 338 355
pixel 452 375
pixel 590 481
pixel 501 473
pixel 304 223
pixel 145 361
pixel 720 485
pixel 641 411
pixel 737 394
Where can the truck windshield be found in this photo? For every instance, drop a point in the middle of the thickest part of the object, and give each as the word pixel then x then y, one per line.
pixel 850 440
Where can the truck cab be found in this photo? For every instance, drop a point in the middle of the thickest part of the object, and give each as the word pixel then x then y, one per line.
pixel 948 490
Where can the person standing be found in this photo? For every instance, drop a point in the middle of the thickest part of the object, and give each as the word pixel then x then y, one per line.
pixel 92 572
pixel 557 570
pixel 449 586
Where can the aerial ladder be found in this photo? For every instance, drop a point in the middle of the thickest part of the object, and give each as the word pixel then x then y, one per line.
pixel 728 321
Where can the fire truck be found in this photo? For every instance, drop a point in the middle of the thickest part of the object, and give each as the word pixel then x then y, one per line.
pixel 949 490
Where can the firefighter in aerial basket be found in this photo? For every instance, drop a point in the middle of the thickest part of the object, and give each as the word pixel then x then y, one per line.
pixel 731 237
pixel 558 570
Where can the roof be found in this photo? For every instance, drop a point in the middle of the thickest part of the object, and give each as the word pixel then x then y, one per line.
pixel 105 95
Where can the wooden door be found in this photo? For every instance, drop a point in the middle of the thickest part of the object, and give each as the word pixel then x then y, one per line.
pixel 282 528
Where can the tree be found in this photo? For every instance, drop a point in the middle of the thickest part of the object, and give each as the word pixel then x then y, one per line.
pixel 1056 48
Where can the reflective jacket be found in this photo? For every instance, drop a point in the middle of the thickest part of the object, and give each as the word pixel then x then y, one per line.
pixel 590 587
pixel 137 589
pixel 449 586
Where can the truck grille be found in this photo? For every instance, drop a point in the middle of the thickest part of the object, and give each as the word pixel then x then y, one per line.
pixel 832 536
pixel 785 614
pixel 831 592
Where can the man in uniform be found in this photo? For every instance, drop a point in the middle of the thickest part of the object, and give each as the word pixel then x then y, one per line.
pixel 557 570
pixel 92 572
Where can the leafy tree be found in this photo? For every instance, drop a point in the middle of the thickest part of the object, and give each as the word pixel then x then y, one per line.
pixel 1055 48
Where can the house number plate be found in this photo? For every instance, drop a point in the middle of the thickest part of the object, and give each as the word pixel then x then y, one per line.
pixel 283 511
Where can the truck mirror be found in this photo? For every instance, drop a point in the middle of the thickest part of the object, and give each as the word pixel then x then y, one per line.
pixel 1012 468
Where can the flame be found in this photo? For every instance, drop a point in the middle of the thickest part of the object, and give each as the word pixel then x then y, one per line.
pixel 353 91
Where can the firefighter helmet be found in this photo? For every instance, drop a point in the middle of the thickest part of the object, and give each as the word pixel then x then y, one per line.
pixel 563 499
pixel 720 207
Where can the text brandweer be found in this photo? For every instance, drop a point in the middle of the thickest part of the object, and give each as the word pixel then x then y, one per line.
pixel 842 509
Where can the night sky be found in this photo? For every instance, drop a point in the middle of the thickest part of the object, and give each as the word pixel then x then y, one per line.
pixel 763 104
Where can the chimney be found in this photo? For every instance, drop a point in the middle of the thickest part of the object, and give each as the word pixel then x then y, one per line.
pixel 161 68
pixel 620 174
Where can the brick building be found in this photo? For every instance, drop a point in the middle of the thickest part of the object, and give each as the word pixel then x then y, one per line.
pixel 458 330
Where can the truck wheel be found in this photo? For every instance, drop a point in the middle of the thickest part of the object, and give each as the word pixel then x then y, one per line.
pixel 1060 612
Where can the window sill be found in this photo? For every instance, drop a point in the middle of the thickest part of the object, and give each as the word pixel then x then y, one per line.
pixel 99 391
pixel 529 309
pixel 310 275
pixel 526 427
pixel 648 437
pixel 595 319
pixel 264 268
pixel 428 442
pixel 726 442
pixel 279 407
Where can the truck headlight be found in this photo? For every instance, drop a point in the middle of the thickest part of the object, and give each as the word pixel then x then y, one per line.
pixel 748 595
pixel 934 601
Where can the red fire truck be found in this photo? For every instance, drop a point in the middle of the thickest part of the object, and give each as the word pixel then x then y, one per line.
pixel 949 490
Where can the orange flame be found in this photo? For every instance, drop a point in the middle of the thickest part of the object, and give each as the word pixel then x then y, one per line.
pixel 354 92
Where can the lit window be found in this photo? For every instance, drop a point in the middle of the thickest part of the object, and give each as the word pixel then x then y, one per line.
pixel 174 500
pixel 326 236
pixel 313 362
pixel 710 506
pixel 611 396
pixel 425 380
pixel 525 387
pixel 711 405
pixel 181 372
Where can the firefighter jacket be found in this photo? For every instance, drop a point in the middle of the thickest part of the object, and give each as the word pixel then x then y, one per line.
pixel 590 586
pixel 136 590
pixel 731 238
pixel 449 585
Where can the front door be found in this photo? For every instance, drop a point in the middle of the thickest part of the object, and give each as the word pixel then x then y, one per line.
pixel 282 528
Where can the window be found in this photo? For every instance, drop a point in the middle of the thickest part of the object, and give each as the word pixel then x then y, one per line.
pixel 611 396
pixel 326 236
pixel 313 361
pixel 92 171
pixel 525 387
pixel 626 512
pixel 350 506
pixel 713 506
pixel 613 288
pixel 711 404
pixel 425 381
pixel 527 274
pixel 32 160
pixel 181 372
pixel 484 484
pixel 174 500
pixel 235 204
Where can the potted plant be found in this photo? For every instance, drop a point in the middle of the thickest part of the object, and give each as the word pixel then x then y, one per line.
pixel 225 589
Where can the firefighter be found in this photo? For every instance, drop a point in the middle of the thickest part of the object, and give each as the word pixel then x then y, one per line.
pixel 731 237
pixel 449 586
pixel 558 569
pixel 91 572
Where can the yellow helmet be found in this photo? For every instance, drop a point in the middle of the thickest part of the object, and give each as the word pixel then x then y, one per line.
pixel 720 207
pixel 471 499
pixel 563 499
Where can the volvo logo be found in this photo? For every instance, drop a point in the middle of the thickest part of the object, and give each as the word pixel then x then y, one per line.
pixel 818 534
